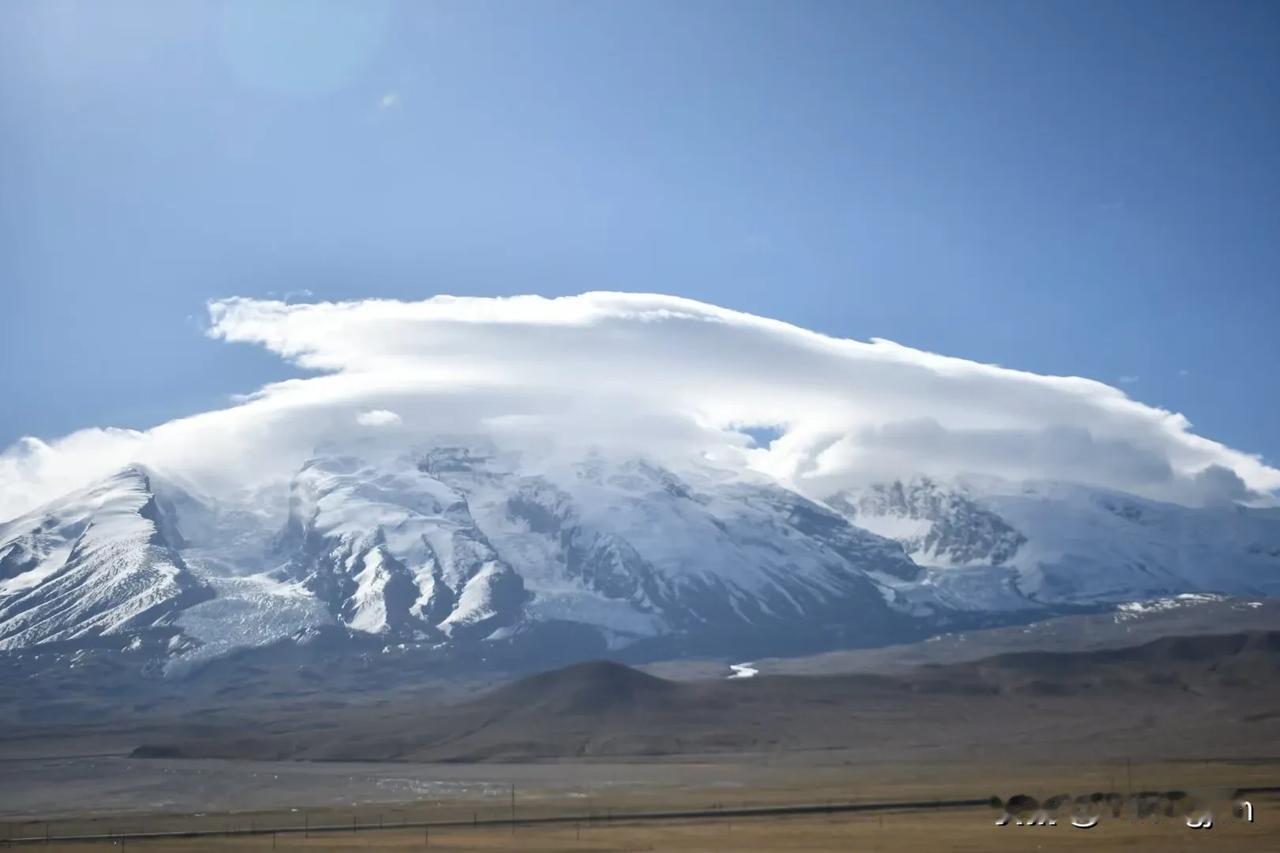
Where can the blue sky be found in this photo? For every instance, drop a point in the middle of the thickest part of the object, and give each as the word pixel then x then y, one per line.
pixel 1062 187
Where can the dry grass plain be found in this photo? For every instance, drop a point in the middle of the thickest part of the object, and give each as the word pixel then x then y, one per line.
pixel 600 744
pixel 967 829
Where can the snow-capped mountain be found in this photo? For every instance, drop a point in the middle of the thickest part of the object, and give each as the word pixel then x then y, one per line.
pixel 462 542
pixel 991 544
pixel 937 527
pixel 394 550
pixel 104 561
pixel 465 545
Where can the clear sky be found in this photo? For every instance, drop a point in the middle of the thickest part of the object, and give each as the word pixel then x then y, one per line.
pixel 1087 188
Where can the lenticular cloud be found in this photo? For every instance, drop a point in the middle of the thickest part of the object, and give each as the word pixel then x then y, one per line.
pixel 652 375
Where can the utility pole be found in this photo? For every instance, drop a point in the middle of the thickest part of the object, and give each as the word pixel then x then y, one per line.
pixel 513 808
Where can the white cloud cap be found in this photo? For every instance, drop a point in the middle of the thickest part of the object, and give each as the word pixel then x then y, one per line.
pixel 656 375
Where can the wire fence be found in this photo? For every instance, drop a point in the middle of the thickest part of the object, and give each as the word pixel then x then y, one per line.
pixel 325 823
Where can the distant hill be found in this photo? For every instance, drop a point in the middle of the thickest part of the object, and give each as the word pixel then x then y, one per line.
pixel 1218 693
pixel 594 687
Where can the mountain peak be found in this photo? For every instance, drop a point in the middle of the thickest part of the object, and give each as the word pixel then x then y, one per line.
pixel 100 561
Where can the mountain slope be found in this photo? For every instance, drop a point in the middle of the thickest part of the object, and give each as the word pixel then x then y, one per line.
pixel 936 526
pixel 482 553
pixel 394 550
pixel 100 562
pixel 684 552
pixel 465 542
pixel 989 543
